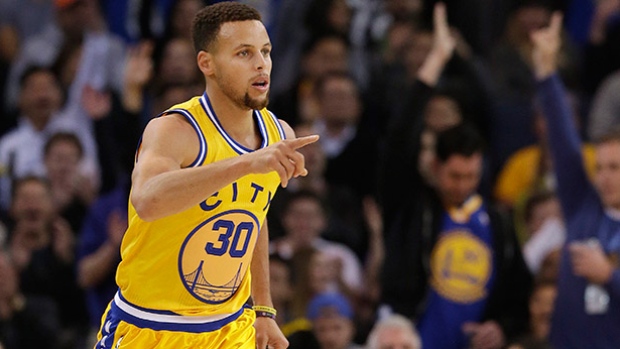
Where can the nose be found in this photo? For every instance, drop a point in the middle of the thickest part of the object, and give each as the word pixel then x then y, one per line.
pixel 260 62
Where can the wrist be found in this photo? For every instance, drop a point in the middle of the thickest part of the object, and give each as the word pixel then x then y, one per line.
pixel 608 274
pixel 543 72
pixel 265 311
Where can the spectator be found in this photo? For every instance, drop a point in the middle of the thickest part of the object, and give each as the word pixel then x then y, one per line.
pixel 73 193
pixel 19 20
pixel 530 168
pixel 22 149
pixel 587 311
pixel 605 109
pixel 25 321
pixel 312 273
pixel 331 315
pixel 344 137
pixel 345 212
pixel 98 252
pixel 509 66
pixel 545 230
pixel 281 285
pixel 394 332
pixel 541 311
pixel 297 103
pixel 447 233
pixel 541 308
pixel 78 23
pixel 43 252
pixel 304 221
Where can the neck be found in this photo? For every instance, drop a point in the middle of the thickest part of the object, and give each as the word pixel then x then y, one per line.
pixel 237 121
pixel 39 121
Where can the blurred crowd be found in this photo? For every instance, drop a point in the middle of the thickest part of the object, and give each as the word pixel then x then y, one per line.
pixel 442 207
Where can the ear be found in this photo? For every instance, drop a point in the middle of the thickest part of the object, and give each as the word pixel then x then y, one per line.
pixel 205 63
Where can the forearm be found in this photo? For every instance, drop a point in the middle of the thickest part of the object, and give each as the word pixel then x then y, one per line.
pixel 431 69
pixel 97 266
pixel 261 294
pixel 564 141
pixel 171 192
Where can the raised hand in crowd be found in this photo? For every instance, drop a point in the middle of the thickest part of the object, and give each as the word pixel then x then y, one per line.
pixel 96 103
pixel 63 240
pixel 444 44
pixel 547 42
pixel 138 72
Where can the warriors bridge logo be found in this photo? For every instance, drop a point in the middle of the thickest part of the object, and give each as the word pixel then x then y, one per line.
pixel 215 255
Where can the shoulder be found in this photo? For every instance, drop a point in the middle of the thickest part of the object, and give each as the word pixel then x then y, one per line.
pixel 12 139
pixel 171 131
pixel 288 130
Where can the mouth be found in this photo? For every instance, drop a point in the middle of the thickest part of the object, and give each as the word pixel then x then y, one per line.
pixel 261 84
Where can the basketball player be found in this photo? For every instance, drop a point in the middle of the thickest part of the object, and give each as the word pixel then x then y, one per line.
pixel 206 170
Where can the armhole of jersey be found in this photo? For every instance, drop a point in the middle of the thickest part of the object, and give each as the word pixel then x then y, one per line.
pixel 276 121
pixel 202 153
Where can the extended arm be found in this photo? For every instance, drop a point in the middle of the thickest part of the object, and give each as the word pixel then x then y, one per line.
pixel 162 186
pixel 399 174
pixel 564 139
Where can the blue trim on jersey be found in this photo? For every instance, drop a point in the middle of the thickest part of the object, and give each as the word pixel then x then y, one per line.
pixel 116 313
pixel 153 311
pixel 278 125
pixel 202 154
pixel 262 127
pixel 240 149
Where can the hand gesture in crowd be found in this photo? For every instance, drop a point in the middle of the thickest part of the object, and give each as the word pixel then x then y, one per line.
pixel 589 261
pixel 486 335
pixel 547 42
pixel 138 72
pixel 63 241
pixel 97 104
pixel 443 47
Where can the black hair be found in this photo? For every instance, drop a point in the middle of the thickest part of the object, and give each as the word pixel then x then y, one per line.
pixel 209 20
pixel 35 69
pixel 462 139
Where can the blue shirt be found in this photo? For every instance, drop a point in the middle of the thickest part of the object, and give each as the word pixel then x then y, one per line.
pixel 462 273
pixel 586 218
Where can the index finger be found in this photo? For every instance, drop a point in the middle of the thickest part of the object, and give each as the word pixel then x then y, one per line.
pixel 440 20
pixel 303 141
pixel 555 24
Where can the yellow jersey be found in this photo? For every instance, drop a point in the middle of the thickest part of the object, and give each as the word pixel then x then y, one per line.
pixel 196 262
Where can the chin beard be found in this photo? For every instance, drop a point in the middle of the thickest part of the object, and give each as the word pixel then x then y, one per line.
pixel 255 103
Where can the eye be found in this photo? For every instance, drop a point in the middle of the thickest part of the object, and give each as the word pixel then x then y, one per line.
pixel 243 53
pixel 266 52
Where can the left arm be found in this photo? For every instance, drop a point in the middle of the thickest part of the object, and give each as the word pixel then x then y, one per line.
pixel 268 334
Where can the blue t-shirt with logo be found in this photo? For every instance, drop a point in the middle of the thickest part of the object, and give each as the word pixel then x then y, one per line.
pixel 462 274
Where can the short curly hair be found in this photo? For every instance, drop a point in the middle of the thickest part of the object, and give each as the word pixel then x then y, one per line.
pixel 209 20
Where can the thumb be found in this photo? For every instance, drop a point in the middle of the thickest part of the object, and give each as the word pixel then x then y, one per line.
pixel 303 141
